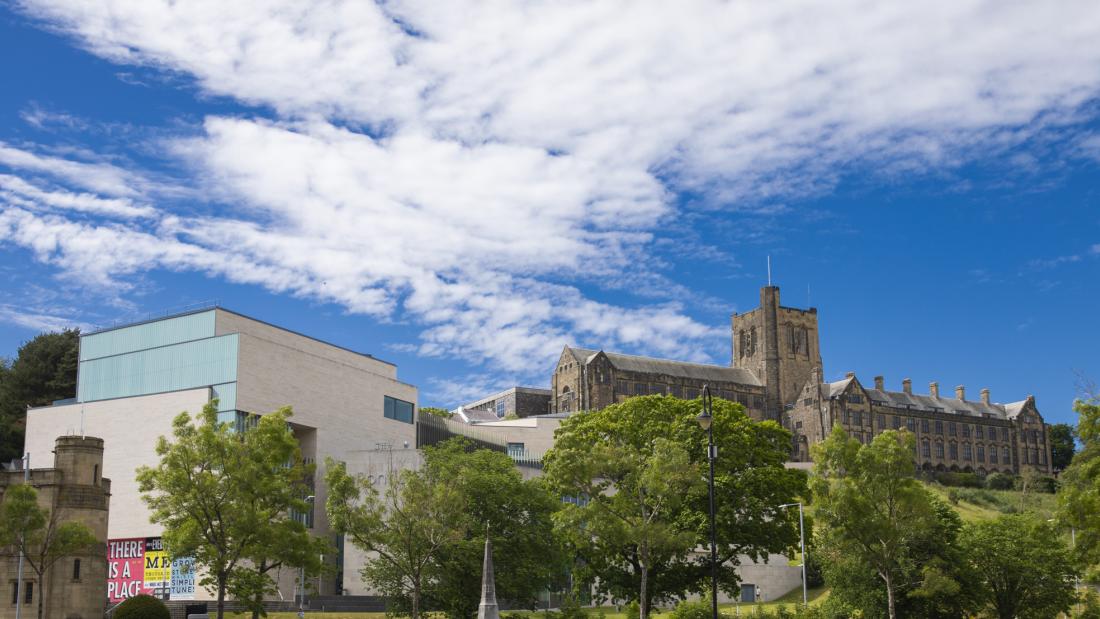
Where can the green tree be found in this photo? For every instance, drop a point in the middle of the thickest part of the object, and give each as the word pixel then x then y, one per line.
pixel 402 528
pixel 44 370
pixel 1062 445
pixel 1079 496
pixel 517 514
pixel 872 506
pixel 221 494
pixel 41 534
pixel 640 465
pixel 435 410
pixel 1024 568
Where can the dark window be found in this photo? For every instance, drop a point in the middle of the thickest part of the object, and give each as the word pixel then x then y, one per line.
pixel 28 592
pixel 952 429
pixel 500 408
pixel 939 450
pixel 968 454
pixel 881 421
pixel 896 422
pixel 1042 456
pixel 1004 434
pixel 981 453
pixel 1006 458
pixel 939 426
pixel 910 424
pixel 926 449
pixel 757 401
pixel 657 390
pixel 858 418
pixel 95 474
pixel 979 432
pixel 966 430
pixel 398 410
pixel 14 592
pixel 992 454
pixel 807 401
pixel 798 425
pixel 953 451
pixel 640 389
pixel 924 426
pixel 690 393
pixel 847 416
pixel 855 398
pixel 676 391
pixel 622 386
pixel 76 569
pixel 516 450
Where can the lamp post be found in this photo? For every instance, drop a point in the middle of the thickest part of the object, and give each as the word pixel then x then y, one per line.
pixel 302 569
pixel 19 576
pixel 802 545
pixel 706 421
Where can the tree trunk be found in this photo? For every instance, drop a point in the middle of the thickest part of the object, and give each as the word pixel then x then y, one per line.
pixel 889 595
pixel 415 610
pixel 221 596
pixel 643 597
pixel 41 592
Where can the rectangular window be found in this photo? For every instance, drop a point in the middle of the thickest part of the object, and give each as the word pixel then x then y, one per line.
pixel 952 429
pixel 939 450
pixel 690 393
pixel 676 391
pixel 76 569
pixel 858 418
pixel 657 389
pixel 855 398
pixel 981 453
pixel 1006 458
pixel 14 592
pixel 398 410
pixel 895 421
pixel 953 450
pixel 640 389
pixel 500 408
pixel 516 450
pixel 926 449
pixel 28 592
pixel 979 432
pixel 881 421
pixel 798 425
pixel 847 416
pixel 1004 435
pixel 757 401
pixel 924 426
pixel 966 430
pixel 1042 456
pixel 910 424
pixel 992 455
pixel 621 386
pixel 968 454
pixel 939 426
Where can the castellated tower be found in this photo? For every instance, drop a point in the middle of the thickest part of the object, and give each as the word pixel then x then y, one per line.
pixel 779 345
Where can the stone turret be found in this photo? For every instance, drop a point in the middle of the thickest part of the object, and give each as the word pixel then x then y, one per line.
pixel 488 608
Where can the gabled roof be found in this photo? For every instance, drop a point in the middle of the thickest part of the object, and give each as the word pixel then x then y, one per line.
pixel 682 369
pixel 971 408
pixel 834 389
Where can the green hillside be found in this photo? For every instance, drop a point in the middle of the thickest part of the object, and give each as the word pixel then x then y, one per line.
pixel 981 504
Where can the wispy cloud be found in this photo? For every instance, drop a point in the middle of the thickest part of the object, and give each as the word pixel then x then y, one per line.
pixel 469 166
pixel 34 319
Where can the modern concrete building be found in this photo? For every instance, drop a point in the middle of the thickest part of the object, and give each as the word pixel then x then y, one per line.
pixel 72 490
pixel 135 379
pixel 513 402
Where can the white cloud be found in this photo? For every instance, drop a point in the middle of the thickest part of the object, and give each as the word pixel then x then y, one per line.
pixel 16 190
pixel 37 320
pixel 471 165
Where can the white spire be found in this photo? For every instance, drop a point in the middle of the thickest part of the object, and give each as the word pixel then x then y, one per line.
pixel 488 608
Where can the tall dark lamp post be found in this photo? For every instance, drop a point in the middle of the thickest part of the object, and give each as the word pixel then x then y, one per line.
pixel 706 421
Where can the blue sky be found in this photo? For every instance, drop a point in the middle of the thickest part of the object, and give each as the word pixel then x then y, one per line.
pixel 465 191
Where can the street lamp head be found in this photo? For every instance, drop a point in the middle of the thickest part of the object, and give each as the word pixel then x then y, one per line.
pixel 310 498
pixel 705 419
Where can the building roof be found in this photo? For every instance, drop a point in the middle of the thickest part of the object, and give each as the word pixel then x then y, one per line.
pixel 948 405
pixel 501 394
pixel 683 369
pixel 474 415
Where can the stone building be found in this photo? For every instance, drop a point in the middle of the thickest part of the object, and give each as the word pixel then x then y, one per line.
pixel 953 434
pixel 515 402
pixel 776 373
pixel 73 490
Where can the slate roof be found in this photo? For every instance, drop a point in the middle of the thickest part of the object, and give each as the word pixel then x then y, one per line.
pixel 682 369
pixel 971 408
pixel 474 415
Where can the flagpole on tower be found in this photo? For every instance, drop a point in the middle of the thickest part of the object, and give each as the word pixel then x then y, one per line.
pixel 769 271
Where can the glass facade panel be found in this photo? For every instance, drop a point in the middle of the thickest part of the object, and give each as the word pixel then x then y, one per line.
pixel 399 410
pixel 211 361
pixel 149 335
pixel 226 395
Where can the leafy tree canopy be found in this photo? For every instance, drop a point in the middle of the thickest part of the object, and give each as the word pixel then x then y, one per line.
pixel 435 410
pixel 223 495
pixel 44 370
pixel 1062 445
pixel 641 467
pixel 1022 565
pixel 1079 497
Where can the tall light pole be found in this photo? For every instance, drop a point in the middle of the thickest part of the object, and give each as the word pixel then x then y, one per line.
pixel 22 542
pixel 302 569
pixel 802 545
pixel 706 421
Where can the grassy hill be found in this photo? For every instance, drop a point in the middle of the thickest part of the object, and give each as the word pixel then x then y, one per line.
pixel 975 504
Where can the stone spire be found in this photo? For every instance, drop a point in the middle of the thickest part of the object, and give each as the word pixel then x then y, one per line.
pixel 488 607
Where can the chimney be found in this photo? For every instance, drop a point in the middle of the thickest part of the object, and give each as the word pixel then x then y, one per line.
pixel 851 374
pixel 907 386
pixel 934 389
pixel 960 392
pixel 985 396
pixel 879 382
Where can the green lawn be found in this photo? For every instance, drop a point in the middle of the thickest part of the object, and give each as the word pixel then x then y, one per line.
pixel 979 504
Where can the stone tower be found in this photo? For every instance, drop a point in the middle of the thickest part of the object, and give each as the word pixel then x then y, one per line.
pixel 778 344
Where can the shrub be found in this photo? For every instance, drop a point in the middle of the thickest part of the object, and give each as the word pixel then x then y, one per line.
pixel 1000 481
pixel 633 610
pixel 953 496
pixel 697 609
pixel 142 607
pixel 959 480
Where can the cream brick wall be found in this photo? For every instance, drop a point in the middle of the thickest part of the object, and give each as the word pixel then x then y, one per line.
pixel 129 428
